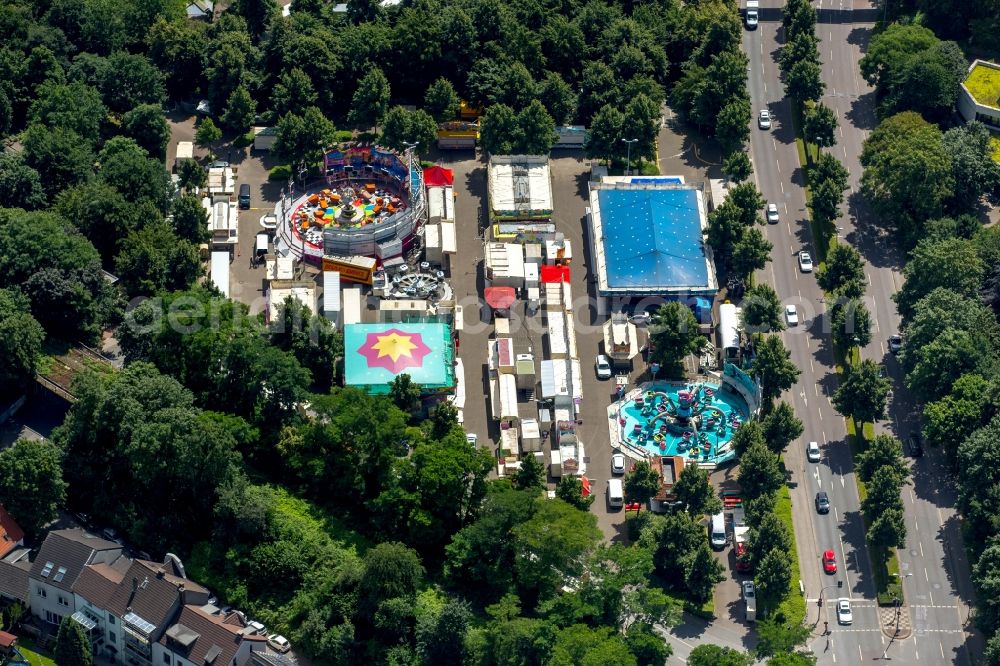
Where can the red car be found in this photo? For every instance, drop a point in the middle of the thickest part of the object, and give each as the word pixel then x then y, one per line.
pixel 742 558
pixel 829 562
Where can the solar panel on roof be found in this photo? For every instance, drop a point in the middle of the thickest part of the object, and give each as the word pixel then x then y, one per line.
pixel 139 623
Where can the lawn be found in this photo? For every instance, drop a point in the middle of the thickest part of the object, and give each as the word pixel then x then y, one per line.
pixel 34 658
pixel 995 145
pixel 793 606
pixel 984 85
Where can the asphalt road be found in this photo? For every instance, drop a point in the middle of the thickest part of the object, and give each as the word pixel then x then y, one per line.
pixel 939 591
pixel 780 179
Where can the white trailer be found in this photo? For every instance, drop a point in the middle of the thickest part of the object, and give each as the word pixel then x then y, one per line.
pixel 220 271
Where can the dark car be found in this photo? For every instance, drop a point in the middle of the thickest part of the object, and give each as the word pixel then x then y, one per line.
pixel 822 502
pixel 895 344
pixel 915 444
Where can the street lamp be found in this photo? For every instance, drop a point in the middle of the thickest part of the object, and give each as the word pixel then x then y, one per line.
pixel 628 159
pixel 899 611
pixel 839 583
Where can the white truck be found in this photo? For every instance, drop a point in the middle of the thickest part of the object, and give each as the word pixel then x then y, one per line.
pixel 751 14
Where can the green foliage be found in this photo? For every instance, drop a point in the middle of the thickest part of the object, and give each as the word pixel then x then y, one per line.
pixel 131 80
pixel 73 645
pixel 951 263
pixel 844 272
pixel 498 130
pixel 148 127
pixel 694 492
pixel 746 435
pixel 770 533
pixel 31 484
pixel 207 133
pixel 708 654
pixel 737 166
pixel 549 545
pixel 558 98
pixel 59 155
pixel 862 394
pixel 950 420
pixel 441 101
pixel 762 310
pixel 20 184
pixel 827 183
pixel 311 339
pixel 302 139
pixel 648 647
pixel 850 324
pixel 975 171
pixel 21 338
pixel 641 483
pixel 804 82
pixel 570 490
pixel 605 133
pixel 370 101
pixel 760 471
pixel 674 332
pixel 531 474
pixel 772 577
pixel 882 451
pixel 778 639
pixel 978 458
pixel 774 368
pixel 401 127
pixel 240 110
pixel 190 220
pixel 74 106
pixel 780 427
pixel 536 130
pixel 154 258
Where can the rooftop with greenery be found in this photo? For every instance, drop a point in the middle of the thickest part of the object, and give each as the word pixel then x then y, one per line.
pixel 984 84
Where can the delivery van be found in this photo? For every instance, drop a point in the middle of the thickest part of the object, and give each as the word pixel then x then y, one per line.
pixel 616 494
pixel 717 531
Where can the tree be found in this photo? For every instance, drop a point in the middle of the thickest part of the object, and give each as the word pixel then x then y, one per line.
pixel 694 492
pixel 405 393
pixel 737 166
pixel 799 17
pixel 293 93
pixel 975 171
pixel 888 529
pixel 792 658
pixel 705 572
pixel 441 639
pixel 770 533
pixel 148 127
pixel 558 98
pixel 708 654
pixel 820 125
pixel 844 272
pixel 130 81
pixel 882 492
pixel 828 179
pixel 908 173
pixel 570 490
pixel 317 345
pixel 499 131
pixel 648 647
pixel 441 100
pixel 850 324
pixel 778 639
pixel 750 253
pixel 746 435
pixel 190 220
pixel 551 544
pixel 73 106
pixel 760 472
pixel 642 483
pixel 257 13
pixel 207 133
pixel 240 110
pixel 31 484
pixel 604 135
pixel 176 48
pixel 392 571
pixel 59 155
pixel 804 82
pixel 950 420
pixel 402 128
pixel 952 263
pixel 72 644
pixel 302 139
pixel 642 123
pixel 531 473
pixel 882 451
pixel 773 578
pixel 762 310
pixel 801 47
pixel 536 130
pixel 774 369
pixel 21 338
pixel 732 125
pixel 20 185
pixel 370 101
pixel 191 174
pixel 863 393
pixel 674 333
pixel 781 427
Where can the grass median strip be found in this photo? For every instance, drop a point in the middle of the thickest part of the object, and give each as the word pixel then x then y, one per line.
pixel 793 606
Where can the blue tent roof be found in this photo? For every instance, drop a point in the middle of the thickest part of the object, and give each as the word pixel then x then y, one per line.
pixel 652 238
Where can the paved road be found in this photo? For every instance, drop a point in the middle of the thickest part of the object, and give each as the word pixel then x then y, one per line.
pixel 939 591
pixel 780 179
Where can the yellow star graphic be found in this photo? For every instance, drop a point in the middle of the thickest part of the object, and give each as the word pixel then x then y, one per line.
pixel 394 345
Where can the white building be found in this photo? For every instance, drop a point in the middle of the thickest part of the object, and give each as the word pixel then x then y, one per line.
pixel 984 80
pixel 520 187
pixel 279 290
pixel 223 221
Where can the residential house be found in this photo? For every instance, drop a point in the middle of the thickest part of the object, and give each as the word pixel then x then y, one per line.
pixel 203 636
pixel 11 534
pixel 60 561
pixel 14 570
pixel 127 606
pixel 200 9
pixel 669 468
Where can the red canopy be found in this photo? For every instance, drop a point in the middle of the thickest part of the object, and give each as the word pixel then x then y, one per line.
pixel 585 483
pixel 550 274
pixel 436 176
pixel 500 298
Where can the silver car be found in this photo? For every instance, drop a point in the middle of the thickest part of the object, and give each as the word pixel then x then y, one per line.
pixel 844 614
pixel 764 119
pixel 772 213
pixel 805 262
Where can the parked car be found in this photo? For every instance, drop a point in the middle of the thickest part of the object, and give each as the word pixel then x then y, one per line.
pixel 844 614
pixel 641 318
pixel 618 463
pixel 812 452
pixel 772 213
pixel 278 643
pixel 603 367
pixel 791 315
pixel 742 559
pixel 822 502
pixel 764 119
pixel 915 445
pixel 805 262
pixel 895 343
pixel 257 627
pixel 472 438
pixel 749 591
pixel 829 562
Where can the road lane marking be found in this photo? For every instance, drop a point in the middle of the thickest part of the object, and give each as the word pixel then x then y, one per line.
pixel 812 366
pixel 927 578
pixel 825 440
pixel 941 645
pixel 815 386
pixel 820 412
pixel 916 524
pixel 861 655
pixel 921 544
pixel 781 184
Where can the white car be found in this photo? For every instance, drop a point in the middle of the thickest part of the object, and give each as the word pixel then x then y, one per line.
pixel 844 614
pixel 472 438
pixel 603 367
pixel 805 262
pixel 749 592
pixel 791 315
pixel 618 463
pixel 772 213
pixel 279 643
pixel 812 451
pixel 640 318
pixel 269 222
pixel 764 119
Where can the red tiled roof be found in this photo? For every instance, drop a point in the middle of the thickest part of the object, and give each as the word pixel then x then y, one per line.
pixel 7 640
pixel 10 532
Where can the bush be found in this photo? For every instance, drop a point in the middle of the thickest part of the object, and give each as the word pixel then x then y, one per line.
pixel 280 172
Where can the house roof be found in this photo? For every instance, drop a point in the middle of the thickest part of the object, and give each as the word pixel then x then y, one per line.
pixel 196 636
pixel 146 590
pixel 7 640
pixel 14 579
pixel 10 532
pixel 65 553
pixel 97 583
